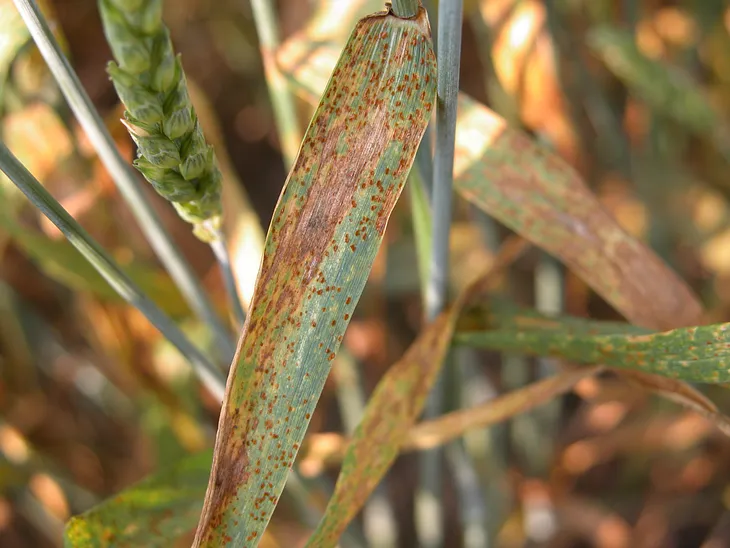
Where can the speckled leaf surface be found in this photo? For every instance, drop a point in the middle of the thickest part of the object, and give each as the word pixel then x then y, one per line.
pixel 699 354
pixel 394 406
pixel 325 232
pixel 153 513
pixel 539 196
pixel 543 199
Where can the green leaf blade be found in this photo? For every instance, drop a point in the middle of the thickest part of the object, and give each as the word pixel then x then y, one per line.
pixel 325 233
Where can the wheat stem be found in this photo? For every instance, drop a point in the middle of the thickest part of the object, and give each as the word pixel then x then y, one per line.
pixel 282 100
pixel 429 508
pixel 220 250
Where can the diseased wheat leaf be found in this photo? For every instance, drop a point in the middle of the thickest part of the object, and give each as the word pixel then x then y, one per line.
pixel 325 232
pixel 539 196
pixel 153 513
pixel 698 354
pixel 543 199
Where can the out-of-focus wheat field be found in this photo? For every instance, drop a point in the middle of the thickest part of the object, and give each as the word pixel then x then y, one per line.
pixel 634 94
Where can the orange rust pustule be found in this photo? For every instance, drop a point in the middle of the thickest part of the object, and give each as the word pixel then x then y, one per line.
pixel 325 232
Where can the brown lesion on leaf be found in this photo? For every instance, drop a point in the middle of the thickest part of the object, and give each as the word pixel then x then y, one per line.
pixel 230 469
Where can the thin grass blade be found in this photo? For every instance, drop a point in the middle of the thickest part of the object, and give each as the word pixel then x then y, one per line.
pixel 282 100
pixel 454 425
pixel 325 232
pixel 60 261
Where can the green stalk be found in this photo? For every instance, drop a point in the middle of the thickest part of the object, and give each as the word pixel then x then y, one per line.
pixel 449 55
pixel 429 510
pixel 220 250
pixel 460 462
pixel 422 226
pixel 282 101
pixel 112 273
pixel 549 299
pixel 123 176
pixel 405 8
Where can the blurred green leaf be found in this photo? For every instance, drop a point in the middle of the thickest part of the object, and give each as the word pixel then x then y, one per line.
pixel 14 36
pixel 666 89
pixel 543 199
pixel 153 513
pixel 61 262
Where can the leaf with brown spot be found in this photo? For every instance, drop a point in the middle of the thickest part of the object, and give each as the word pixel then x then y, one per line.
pixel 393 408
pixel 543 199
pixel 539 196
pixel 154 513
pixel 330 448
pixel 697 354
pixel 325 232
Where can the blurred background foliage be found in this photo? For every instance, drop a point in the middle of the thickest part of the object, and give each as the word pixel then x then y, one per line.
pixel 635 94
